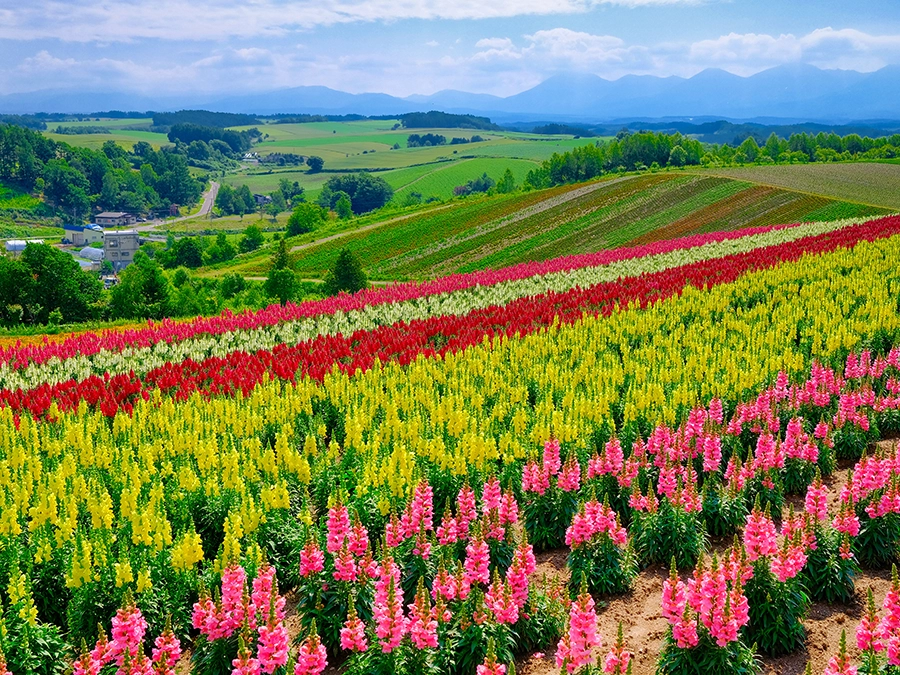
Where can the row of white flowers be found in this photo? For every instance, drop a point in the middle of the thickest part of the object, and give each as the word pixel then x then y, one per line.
pixel 142 360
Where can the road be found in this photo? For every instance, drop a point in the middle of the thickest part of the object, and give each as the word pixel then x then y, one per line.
pixel 209 198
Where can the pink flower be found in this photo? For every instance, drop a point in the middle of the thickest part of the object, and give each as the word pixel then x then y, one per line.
pixel 272 650
pixel 422 624
pixel 128 628
pixel 618 658
pixel 359 538
pixel 490 495
pixel 311 658
pixel 465 510
pixel 535 479
pixel 576 648
pixel 551 457
pixel 421 509
pixel 244 664
pixel 338 527
pixel 312 560
pixel 868 633
pixel 166 652
pixel 500 601
pixel 387 611
pixel 840 664
pixel 490 665
pixel 477 561
pixel 353 634
pixel 265 594
pixel 760 535
pixel 345 565
pixel 570 478
pixel 509 509
pixel 816 503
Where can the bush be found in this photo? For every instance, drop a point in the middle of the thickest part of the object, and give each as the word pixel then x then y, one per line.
pixel 346 276
pixel 777 610
pixel 666 533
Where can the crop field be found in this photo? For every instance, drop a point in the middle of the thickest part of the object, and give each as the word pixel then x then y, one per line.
pixel 684 443
pixel 872 183
pixel 124 137
pixel 571 220
pixel 440 181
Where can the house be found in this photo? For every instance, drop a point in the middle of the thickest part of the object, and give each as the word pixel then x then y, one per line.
pixel 120 247
pixel 115 218
pixel 14 247
pixel 81 235
pixel 262 200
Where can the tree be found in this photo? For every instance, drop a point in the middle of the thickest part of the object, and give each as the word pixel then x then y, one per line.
pixel 281 281
pixel 188 253
pixel 59 283
pixel 315 164
pixel 232 284
pixel 277 205
pixel 305 218
pixel 221 251
pixel 346 276
pixel 678 156
pixel 367 192
pixel 142 291
pixel 343 207
pixel 252 239
pixel 507 183
pixel 16 289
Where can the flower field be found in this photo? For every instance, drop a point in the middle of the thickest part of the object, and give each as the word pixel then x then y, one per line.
pixel 366 481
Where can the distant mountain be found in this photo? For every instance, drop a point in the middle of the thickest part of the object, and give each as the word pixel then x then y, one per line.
pixel 784 93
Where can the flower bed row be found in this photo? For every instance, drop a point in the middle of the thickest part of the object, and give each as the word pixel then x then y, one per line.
pixel 298 322
pixel 404 342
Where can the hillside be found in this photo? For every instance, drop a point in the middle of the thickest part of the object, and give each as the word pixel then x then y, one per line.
pixel 497 231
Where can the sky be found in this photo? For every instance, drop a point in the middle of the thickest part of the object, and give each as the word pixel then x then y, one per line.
pixel 404 47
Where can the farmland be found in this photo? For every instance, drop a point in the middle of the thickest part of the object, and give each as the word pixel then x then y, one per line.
pixel 868 183
pixel 523 441
pixel 611 213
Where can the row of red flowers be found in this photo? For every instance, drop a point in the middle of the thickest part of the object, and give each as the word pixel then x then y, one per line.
pixel 404 342
pixel 89 343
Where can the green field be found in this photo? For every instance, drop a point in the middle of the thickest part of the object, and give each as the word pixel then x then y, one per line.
pixel 125 137
pixel 866 182
pixel 500 231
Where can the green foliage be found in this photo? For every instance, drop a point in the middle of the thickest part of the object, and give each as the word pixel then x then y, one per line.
pixel 281 282
pixel 343 207
pixel 777 610
pixel 706 658
pixel 829 577
pixel 142 291
pixel 507 183
pixel 606 568
pixel 367 192
pixel 346 276
pixel 724 511
pixel 253 238
pixel 221 251
pixel 305 217
pixel 315 163
pixel 877 544
pixel 670 532
pixel 232 284
pixel 547 517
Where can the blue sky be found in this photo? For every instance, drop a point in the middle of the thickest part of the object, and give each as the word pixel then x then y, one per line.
pixel 404 47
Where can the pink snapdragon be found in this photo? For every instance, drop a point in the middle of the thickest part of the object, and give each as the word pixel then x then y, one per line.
pixel 422 624
pixel 312 560
pixel 618 658
pixel 477 561
pixel 272 649
pixel 816 502
pixel 569 479
pixel 166 652
pixel 353 634
pixel 338 527
pixel 465 510
pixel 500 601
pixel 387 610
pixel 491 495
pixel 575 649
pixel 128 629
pixel 490 665
pixel 840 664
pixel 760 535
pixel 312 657
pixel 552 462
pixel 868 633
pixel 535 478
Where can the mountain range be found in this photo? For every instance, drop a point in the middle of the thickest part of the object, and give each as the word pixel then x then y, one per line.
pixel 791 92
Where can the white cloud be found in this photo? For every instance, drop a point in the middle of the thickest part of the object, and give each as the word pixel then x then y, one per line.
pixel 825 47
pixel 100 20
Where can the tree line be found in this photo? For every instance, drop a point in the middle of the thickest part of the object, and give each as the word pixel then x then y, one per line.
pixel 655 150
pixel 79 180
